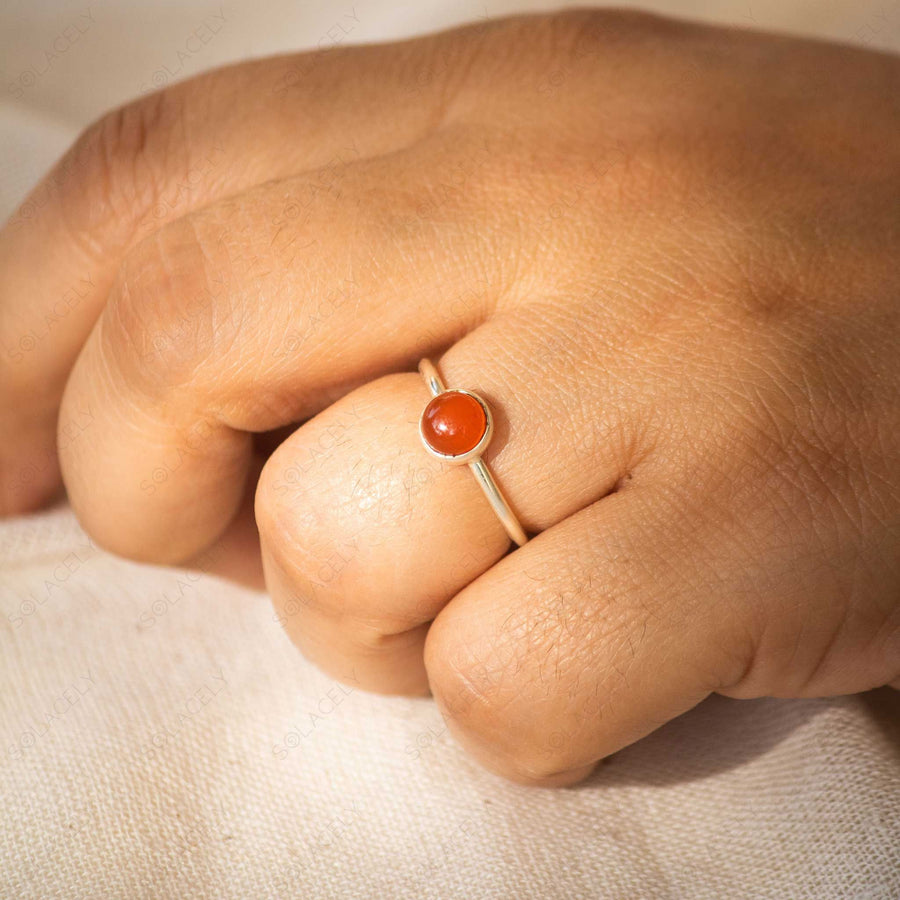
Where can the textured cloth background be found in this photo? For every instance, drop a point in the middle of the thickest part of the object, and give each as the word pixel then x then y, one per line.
pixel 160 737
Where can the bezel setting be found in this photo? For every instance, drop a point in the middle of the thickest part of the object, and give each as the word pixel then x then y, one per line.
pixel 478 449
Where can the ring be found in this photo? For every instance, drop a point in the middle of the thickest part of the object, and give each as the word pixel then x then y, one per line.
pixel 456 426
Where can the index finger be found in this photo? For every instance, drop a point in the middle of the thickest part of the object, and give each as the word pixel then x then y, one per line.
pixel 151 162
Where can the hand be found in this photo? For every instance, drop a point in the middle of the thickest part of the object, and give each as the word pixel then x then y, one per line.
pixel 665 253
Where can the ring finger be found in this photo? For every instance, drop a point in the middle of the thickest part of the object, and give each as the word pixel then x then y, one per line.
pixel 366 537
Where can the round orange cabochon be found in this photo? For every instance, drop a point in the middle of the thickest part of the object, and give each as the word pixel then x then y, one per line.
pixel 453 423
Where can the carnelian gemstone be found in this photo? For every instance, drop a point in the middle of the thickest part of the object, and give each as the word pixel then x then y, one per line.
pixel 453 423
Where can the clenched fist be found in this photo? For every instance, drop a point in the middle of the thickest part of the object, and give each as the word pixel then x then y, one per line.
pixel 665 255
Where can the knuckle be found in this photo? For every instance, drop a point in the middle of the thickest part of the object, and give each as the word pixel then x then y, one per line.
pixel 119 165
pixel 583 30
pixel 314 571
pixel 291 531
pixel 281 514
pixel 476 693
pixel 464 681
pixel 160 323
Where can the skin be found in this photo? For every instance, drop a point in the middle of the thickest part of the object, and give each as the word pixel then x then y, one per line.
pixel 666 254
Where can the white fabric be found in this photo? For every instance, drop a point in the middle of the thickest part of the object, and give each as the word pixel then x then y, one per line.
pixel 160 737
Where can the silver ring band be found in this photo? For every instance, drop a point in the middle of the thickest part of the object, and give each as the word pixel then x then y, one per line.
pixel 471 452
